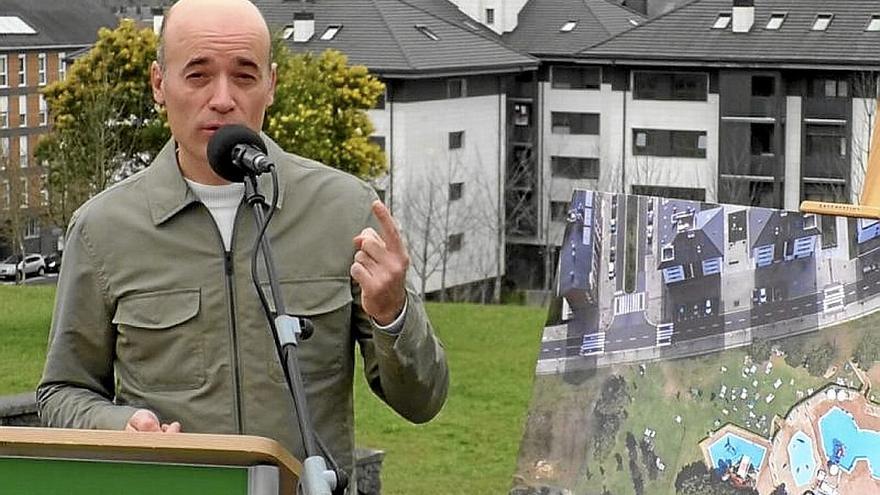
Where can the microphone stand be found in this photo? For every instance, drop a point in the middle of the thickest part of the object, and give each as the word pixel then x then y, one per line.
pixel 316 478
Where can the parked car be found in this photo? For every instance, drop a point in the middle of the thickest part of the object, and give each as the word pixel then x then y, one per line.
pixel 610 270
pixel 760 296
pixel 708 306
pixel 53 263
pixel 32 264
pixel 612 254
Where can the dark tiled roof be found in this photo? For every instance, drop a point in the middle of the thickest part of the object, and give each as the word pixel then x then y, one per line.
pixel 57 22
pixel 538 29
pixel 782 227
pixel 686 35
pixel 382 35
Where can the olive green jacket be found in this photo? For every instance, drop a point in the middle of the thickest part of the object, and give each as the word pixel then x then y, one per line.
pixel 152 312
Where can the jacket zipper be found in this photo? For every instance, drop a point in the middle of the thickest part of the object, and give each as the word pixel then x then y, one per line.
pixel 229 266
pixel 229 275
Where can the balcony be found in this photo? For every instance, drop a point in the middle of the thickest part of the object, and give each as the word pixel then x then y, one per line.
pixel 827 108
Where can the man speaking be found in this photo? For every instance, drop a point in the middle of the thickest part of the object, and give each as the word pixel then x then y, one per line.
pixel 157 325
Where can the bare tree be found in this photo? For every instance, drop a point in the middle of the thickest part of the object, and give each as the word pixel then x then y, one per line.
pixel 867 86
pixel 20 204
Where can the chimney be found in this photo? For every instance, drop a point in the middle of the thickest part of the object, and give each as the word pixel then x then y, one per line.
pixel 743 15
pixel 303 26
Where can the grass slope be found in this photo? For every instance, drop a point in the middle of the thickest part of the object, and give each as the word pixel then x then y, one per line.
pixel 469 448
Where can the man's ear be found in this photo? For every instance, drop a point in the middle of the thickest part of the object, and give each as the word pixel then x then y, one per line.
pixel 156 78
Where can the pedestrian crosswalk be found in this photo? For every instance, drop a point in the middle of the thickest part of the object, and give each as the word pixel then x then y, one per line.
pixel 593 344
pixel 629 303
pixel 664 334
pixel 833 298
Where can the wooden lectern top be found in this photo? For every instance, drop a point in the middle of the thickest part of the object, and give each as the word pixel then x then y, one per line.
pixel 183 448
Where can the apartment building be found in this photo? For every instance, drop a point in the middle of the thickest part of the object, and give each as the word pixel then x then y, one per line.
pixel 36 39
pixel 442 121
pixel 757 102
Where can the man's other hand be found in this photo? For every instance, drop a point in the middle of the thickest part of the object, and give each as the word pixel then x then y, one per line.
pixel 146 420
pixel 379 267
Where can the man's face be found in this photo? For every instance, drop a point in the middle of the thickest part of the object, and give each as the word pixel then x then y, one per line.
pixel 217 71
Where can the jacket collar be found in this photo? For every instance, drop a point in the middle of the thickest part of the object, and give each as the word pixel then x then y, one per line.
pixel 168 193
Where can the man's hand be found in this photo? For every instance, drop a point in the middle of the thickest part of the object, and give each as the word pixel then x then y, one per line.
pixel 146 420
pixel 379 267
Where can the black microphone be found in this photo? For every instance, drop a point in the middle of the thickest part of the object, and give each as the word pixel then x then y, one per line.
pixel 234 151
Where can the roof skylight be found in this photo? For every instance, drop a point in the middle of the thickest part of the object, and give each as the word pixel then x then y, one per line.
pixel 427 32
pixel 331 32
pixel 722 21
pixel 14 25
pixel 568 26
pixel 874 23
pixel 775 22
pixel 822 21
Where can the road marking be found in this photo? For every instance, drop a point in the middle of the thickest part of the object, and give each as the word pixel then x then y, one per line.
pixel 741 320
pixel 795 308
pixel 632 339
pixel 715 325
pixel 851 293
pixel 768 314
pixel 645 336
pixel 557 349
pixel 780 311
pixel 703 327
pixel 728 322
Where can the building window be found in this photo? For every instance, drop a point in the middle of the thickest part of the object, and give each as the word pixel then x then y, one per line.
pixel 762 139
pixel 41 69
pixel 575 123
pixel 24 192
pixel 44 190
pixel 680 86
pixel 825 151
pixel 775 21
pixel 456 190
pixel 490 16
pixel 331 32
pixel 456 88
pixel 763 86
pixel 558 211
pixel 568 27
pixel 687 193
pixel 830 88
pixel 454 242
pixel 874 23
pixel 4 71
pixel 23 151
pixel 824 192
pixel 574 167
pixel 22 110
pixel 378 141
pixel 4 112
pixel 44 111
pixel 664 142
pixel 22 70
pixel 722 21
pixel 521 112
pixel 576 77
pixel 822 22
pixel 62 66
pixel 32 229
pixel 287 32
pixel 4 149
pixel 427 32
pixel 456 140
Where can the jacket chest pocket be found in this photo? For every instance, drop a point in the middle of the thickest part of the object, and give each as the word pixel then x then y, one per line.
pixel 159 344
pixel 327 303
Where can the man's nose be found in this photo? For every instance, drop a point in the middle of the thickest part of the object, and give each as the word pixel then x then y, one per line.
pixel 222 100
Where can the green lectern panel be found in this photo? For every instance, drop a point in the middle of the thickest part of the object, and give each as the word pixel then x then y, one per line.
pixel 26 476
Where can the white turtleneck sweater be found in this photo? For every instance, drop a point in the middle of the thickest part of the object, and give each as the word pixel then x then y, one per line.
pixel 222 202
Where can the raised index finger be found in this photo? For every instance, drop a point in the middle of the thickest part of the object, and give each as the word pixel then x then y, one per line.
pixel 389 233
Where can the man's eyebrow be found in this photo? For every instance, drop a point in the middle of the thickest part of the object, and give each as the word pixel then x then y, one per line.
pixel 195 62
pixel 246 62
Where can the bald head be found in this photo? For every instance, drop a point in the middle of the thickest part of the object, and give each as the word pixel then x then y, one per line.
pixel 196 14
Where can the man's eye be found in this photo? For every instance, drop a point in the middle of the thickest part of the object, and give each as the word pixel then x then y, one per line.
pixel 195 76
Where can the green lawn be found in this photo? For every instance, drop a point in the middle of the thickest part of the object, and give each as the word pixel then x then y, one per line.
pixel 470 448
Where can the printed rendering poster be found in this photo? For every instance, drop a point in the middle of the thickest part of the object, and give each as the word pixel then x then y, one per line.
pixel 707 349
